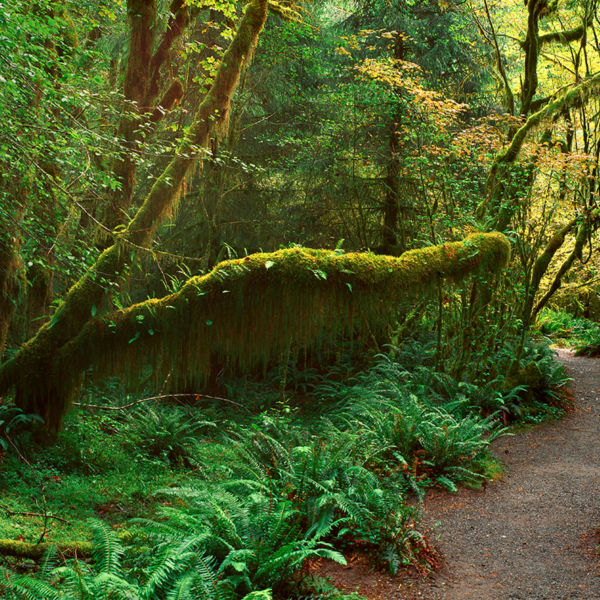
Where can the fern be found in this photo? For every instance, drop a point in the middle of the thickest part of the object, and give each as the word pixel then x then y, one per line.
pixel 29 588
pixel 262 595
pixel 183 588
pixel 108 550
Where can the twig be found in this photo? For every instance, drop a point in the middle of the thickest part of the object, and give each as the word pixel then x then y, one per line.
pixel 45 515
pixel 32 514
pixel 162 397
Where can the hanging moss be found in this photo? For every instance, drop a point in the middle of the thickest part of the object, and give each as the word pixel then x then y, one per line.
pixel 27 371
pixel 246 310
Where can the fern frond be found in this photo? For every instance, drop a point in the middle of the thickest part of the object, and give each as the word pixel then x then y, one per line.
pixel 49 562
pixel 182 588
pixel 29 588
pixel 107 548
pixel 113 586
pixel 262 595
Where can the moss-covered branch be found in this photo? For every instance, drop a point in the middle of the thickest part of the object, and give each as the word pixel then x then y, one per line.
pixel 34 357
pixel 563 37
pixel 178 21
pixel 540 266
pixel 36 551
pixel 503 161
pixel 246 310
pixel 582 237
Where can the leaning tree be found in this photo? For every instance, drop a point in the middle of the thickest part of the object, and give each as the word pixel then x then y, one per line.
pixel 241 311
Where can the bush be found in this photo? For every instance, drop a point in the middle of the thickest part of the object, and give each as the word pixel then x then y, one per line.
pixel 168 433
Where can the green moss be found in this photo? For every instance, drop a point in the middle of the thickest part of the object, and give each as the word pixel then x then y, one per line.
pixel 36 551
pixel 240 313
pixel 505 158
pixel 246 310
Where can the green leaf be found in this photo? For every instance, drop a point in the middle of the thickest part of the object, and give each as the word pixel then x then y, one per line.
pixel 135 337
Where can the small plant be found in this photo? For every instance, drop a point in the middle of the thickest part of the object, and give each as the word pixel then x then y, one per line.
pixel 167 433
pixel 12 421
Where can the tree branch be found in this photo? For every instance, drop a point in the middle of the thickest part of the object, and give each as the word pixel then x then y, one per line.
pixel 502 162
pixel 26 371
pixel 245 311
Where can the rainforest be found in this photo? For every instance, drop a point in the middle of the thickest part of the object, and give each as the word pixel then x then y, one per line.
pixel 299 300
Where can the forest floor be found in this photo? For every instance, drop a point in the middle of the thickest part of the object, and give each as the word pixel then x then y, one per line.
pixel 531 535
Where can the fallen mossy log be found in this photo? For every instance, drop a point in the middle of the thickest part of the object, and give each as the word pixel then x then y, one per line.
pixel 21 549
pixel 246 310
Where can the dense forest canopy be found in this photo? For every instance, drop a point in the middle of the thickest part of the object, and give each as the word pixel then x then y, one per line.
pixel 195 191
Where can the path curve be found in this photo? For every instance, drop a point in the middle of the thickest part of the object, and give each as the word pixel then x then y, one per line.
pixel 532 534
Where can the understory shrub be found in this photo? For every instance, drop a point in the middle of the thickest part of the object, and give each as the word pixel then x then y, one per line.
pixel 565 329
pixel 253 501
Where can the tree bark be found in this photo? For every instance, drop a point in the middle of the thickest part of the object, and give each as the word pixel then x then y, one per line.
pixel 27 370
pixel 9 264
pixel 141 89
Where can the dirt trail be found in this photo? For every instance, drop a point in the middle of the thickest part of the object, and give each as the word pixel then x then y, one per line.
pixel 529 536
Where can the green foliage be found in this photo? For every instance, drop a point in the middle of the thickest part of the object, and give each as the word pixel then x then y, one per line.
pixel 419 433
pixel 13 421
pixel 565 329
pixel 344 454
pixel 255 539
pixel 335 482
pixel 176 574
pixel 266 493
pixel 166 434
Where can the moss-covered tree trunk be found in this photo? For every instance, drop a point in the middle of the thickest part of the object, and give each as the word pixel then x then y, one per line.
pixel 498 203
pixel 245 311
pixel 27 372
pixel 141 88
pixel 9 262
pixel 502 195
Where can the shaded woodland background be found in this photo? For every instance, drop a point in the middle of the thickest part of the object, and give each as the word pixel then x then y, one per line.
pixel 367 127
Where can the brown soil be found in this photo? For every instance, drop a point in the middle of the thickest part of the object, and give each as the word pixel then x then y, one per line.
pixel 529 536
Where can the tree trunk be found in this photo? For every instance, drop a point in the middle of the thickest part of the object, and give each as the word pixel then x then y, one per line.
pixel 9 264
pixel 28 370
pixel 141 88
pixel 390 207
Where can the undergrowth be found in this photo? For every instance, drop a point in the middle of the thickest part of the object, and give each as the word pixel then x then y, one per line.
pixel 204 500
pixel 566 330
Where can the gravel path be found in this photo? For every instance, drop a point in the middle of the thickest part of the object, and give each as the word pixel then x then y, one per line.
pixel 531 535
